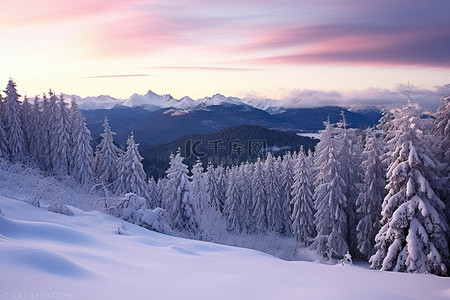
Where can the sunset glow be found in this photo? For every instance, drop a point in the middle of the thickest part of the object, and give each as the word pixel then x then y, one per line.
pixel 238 48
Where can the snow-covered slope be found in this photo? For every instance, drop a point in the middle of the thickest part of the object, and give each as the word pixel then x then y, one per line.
pixel 84 257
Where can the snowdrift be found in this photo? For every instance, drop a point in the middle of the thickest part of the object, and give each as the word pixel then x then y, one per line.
pixel 91 255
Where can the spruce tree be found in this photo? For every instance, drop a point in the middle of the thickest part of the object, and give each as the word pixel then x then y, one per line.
pixel 232 208
pixel 44 137
pixel 413 233
pixel 302 201
pixel 245 189
pixel 259 197
pixel 348 169
pixel 213 189
pixel 287 180
pixel 441 147
pixel 13 124
pixel 4 151
pixel 181 209
pixel 27 124
pixel 371 195
pixel 153 201
pixel 330 201
pixel 132 178
pixel 199 187
pixel 272 194
pixel 82 157
pixel 62 151
pixel 107 157
pixel 35 139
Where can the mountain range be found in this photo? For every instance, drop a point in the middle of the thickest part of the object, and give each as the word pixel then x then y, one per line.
pixel 156 119
pixel 152 102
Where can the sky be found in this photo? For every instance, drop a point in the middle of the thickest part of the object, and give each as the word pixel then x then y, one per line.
pixel 363 51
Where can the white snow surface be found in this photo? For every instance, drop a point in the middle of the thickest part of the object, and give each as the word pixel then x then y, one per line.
pixel 45 254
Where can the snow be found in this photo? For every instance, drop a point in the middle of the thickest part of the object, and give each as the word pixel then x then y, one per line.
pixel 44 254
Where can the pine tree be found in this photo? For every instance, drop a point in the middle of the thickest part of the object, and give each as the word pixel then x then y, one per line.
pixel 245 189
pixel 330 201
pixel 199 187
pixel 44 137
pixel 221 188
pixel 441 145
pixel 132 178
pixel 27 124
pixel 371 195
pixel 13 124
pixel 259 197
pixel 287 181
pixel 273 195
pixel 213 189
pixel 53 124
pixel 302 201
pixel 4 152
pixel 107 159
pixel 62 151
pixel 413 233
pixel 153 201
pixel 348 164
pixel 82 158
pixel 233 202
pixel 35 138
pixel 182 212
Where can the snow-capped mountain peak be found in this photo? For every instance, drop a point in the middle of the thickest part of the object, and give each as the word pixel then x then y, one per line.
pixel 152 101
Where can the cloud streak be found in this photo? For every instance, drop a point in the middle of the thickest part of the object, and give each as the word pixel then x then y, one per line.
pixel 116 76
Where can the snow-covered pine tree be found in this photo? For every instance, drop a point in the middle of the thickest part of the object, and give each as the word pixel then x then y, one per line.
pixel 4 151
pixel 13 124
pixel 199 187
pixel 81 151
pixel 441 145
pixel 182 212
pixel 213 189
pixel 259 197
pixel 44 147
pixel 273 195
pixel 245 189
pixel 286 169
pixel 34 138
pixel 160 192
pixel 330 201
pixel 413 233
pixel 132 178
pixel 27 123
pixel 52 125
pixel 302 201
pixel 153 201
pixel 62 151
pixel 2 107
pixel 371 195
pixel 232 208
pixel 221 188
pixel 347 169
pixel 107 158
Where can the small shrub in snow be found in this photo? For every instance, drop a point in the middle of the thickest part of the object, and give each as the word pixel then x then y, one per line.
pixel 34 201
pixel 59 208
pixel 132 208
